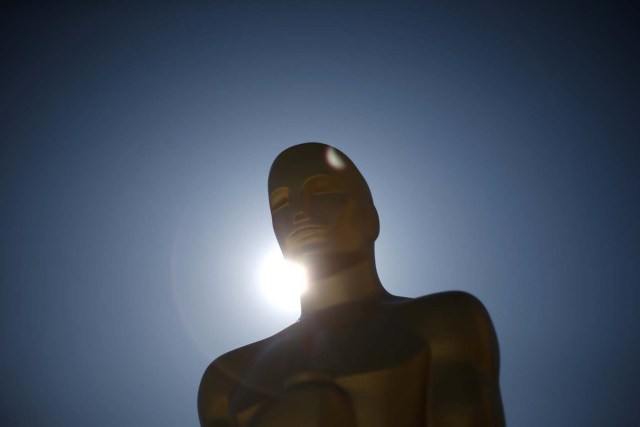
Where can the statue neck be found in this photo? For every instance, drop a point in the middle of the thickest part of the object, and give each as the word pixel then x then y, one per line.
pixel 354 282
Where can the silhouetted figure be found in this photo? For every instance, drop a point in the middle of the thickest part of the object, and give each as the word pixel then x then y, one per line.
pixel 358 356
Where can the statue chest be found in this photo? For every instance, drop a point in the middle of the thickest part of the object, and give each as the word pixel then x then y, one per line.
pixel 364 370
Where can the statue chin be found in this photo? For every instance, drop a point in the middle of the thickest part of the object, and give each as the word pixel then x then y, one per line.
pixel 321 263
pixel 307 248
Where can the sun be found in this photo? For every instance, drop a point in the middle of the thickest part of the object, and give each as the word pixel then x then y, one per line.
pixel 282 282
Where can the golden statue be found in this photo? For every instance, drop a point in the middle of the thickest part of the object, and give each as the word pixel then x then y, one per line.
pixel 358 356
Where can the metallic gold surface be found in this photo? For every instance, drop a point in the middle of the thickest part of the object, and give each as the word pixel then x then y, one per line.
pixel 358 356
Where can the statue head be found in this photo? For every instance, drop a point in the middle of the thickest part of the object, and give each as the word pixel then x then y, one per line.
pixel 321 206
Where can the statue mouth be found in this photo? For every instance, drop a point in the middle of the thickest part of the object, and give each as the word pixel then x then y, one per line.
pixel 304 232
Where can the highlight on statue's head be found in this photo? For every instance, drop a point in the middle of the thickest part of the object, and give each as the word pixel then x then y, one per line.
pixel 320 203
pixel 335 159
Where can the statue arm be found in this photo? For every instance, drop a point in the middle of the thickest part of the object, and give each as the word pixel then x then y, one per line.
pixel 464 379
pixel 213 409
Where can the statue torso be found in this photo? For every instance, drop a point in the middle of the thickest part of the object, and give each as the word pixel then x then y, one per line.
pixel 357 364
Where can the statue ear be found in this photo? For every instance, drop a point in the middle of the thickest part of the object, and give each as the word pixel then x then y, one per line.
pixel 372 223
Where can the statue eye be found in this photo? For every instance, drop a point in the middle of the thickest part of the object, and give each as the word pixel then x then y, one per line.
pixel 279 198
pixel 323 184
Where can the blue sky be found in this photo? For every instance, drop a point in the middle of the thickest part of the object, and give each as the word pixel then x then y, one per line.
pixel 500 142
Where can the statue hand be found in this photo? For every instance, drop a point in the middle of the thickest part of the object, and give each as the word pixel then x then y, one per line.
pixel 308 399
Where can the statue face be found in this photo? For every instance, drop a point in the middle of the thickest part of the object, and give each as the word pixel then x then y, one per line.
pixel 319 207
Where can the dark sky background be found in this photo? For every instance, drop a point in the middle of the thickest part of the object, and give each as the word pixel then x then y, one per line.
pixel 500 141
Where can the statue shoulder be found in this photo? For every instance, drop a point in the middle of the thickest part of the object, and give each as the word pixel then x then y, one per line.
pixel 235 362
pixel 217 382
pixel 457 326
pixel 221 377
pixel 232 365
pixel 447 304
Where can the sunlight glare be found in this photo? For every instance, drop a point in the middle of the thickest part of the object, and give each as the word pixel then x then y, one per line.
pixel 334 159
pixel 282 281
